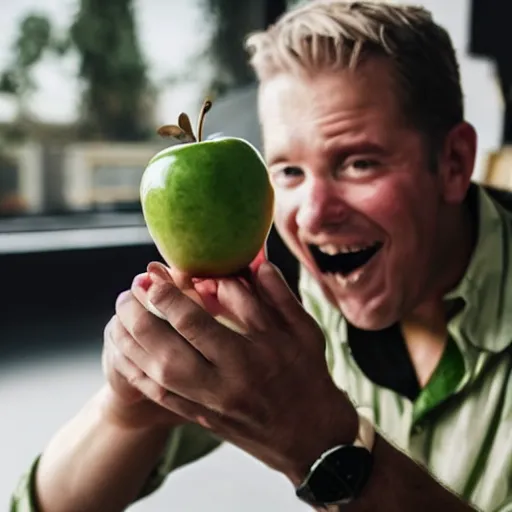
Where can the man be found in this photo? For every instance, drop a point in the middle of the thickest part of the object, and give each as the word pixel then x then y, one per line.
pixel 405 268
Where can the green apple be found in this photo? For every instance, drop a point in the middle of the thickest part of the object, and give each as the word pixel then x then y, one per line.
pixel 208 204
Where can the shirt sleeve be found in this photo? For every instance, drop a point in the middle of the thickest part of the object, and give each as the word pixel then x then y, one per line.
pixel 186 444
pixel 505 507
pixel 23 498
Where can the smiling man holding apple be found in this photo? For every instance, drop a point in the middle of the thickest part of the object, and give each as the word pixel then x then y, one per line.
pixel 390 390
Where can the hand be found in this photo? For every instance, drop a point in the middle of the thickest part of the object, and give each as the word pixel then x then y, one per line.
pixel 266 388
pixel 124 404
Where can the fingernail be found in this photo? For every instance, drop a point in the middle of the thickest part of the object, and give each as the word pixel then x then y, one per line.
pixel 152 309
pixel 156 277
pixel 143 281
pixel 157 271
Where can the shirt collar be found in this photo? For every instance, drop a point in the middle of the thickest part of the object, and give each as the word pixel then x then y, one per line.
pixel 486 288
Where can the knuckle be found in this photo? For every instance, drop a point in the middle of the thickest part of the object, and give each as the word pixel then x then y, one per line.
pixel 121 340
pixel 163 372
pixel 122 299
pixel 109 327
pixel 109 353
pixel 123 344
pixel 188 322
pixel 194 325
pixel 133 377
pixel 114 338
pixel 160 395
pixel 164 297
pixel 142 325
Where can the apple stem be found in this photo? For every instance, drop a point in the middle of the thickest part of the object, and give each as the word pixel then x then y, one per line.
pixel 207 105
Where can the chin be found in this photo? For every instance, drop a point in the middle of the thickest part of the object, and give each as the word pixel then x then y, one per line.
pixel 369 316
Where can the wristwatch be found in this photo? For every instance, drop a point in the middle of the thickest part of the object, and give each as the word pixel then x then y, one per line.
pixel 338 476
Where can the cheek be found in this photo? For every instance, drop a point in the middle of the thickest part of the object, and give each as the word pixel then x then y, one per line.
pixel 285 214
pixel 398 205
pixel 383 203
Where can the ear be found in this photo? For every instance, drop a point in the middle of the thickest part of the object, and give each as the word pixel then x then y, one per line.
pixel 457 162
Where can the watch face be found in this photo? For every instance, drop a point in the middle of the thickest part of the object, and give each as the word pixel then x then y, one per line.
pixel 337 478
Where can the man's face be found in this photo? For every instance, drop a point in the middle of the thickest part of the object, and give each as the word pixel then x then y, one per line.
pixel 355 200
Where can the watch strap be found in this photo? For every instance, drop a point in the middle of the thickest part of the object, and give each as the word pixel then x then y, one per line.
pixel 342 471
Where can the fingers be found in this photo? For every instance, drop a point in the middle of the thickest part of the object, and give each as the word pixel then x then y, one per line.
pixel 144 338
pixel 165 362
pixel 145 386
pixel 181 280
pixel 122 364
pixel 159 270
pixel 242 304
pixel 258 260
pixel 193 323
pixel 177 404
pixel 155 347
pixel 272 285
pixel 115 368
pixel 140 286
pixel 202 291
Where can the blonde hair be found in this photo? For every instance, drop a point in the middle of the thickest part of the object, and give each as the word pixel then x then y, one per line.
pixel 336 34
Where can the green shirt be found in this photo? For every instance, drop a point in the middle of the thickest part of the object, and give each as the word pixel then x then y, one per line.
pixel 460 425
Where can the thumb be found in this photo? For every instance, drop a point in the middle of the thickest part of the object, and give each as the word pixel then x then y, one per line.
pixel 273 286
pixel 183 281
pixel 202 291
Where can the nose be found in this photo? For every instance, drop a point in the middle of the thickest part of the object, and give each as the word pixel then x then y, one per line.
pixel 321 207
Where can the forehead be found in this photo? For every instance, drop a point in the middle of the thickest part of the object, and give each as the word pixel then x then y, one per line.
pixel 329 103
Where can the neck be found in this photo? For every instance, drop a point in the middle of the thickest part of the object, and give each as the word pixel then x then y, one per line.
pixel 425 328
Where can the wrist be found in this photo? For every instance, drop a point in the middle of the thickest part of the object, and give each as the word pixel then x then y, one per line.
pixel 339 428
pixel 130 417
pixel 340 474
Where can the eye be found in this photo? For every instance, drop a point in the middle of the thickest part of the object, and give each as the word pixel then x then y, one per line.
pixel 363 165
pixel 358 168
pixel 287 176
pixel 292 171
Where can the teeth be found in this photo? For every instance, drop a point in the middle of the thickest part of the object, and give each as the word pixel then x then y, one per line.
pixel 351 279
pixel 354 277
pixel 342 281
pixel 332 249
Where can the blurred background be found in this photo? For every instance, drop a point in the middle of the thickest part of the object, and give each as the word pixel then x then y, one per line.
pixel 83 86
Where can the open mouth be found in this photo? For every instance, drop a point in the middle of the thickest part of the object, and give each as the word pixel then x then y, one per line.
pixel 343 260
